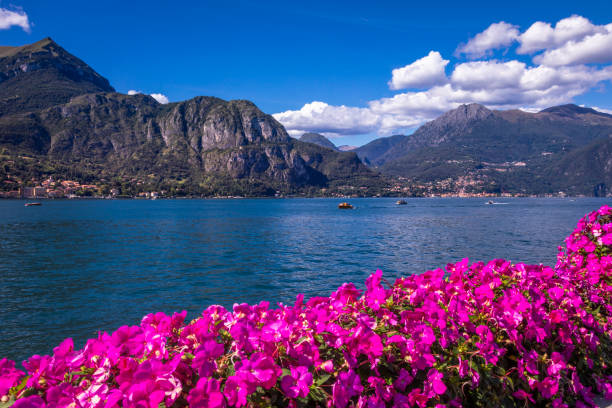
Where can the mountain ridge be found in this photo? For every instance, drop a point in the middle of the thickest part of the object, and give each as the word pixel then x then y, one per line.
pixel 77 121
pixel 318 139
pixel 494 149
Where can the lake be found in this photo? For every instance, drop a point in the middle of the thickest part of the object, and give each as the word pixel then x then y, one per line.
pixel 70 268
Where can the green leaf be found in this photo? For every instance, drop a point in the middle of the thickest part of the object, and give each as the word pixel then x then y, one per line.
pixel 16 389
pixel 510 383
pixel 317 394
pixel 28 392
pixel 322 380
pixel 302 340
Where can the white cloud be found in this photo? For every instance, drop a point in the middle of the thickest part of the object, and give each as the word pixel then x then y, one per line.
pixel 487 74
pixel 497 35
pixel 542 35
pixel 161 98
pixel 17 18
pixel 608 111
pixel 592 49
pixel 511 85
pixel 422 73
pixel 323 118
pixel 572 58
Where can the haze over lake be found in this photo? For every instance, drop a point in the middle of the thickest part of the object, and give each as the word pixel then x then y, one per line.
pixel 71 268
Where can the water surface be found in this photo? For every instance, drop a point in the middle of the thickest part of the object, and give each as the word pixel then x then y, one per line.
pixel 73 267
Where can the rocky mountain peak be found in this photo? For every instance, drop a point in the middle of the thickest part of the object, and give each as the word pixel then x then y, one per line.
pixel 464 114
pixel 43 74
pixel 449 125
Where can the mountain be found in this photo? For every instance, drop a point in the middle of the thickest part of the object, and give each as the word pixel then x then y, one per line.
pixel 477 148
pixel 318 140
pixel 346 148
pixel 375 152
pixel 64 119
pixel 41 75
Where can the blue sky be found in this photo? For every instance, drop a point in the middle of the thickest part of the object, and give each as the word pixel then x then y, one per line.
pixel 340 55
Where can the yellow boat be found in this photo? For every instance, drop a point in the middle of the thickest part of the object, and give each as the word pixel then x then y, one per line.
pixel 345 206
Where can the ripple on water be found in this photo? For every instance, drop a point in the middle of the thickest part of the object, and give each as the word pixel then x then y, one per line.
pixel 71 268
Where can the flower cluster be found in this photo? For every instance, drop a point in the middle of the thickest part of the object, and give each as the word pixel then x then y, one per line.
pixel 494 334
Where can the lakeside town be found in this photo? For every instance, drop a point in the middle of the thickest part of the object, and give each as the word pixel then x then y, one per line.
pixel 57 188
pixel 51 188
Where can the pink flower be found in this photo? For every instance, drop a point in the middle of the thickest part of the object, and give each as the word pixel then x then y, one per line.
pixel 327 366
pixel 236 391
pixel 555 293
pixel 548 387
pixel 259 370
pixel 206 394
pixel 435 379
pixel 557 316
pixel 403 379
pixel 523 395
pixel 94 396
pixel 375 294
pixel 416 397
pixel 557 364
pixel 205 356
pixel 9 376
pixel 33 401
pixel 347 386
pixel 298 383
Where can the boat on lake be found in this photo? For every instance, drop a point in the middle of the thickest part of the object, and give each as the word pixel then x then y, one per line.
pixel 401 202
pixel 31 204
pixel 345 206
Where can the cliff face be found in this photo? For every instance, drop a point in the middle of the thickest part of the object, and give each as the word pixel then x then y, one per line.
pixel 136 135
pixel 55 107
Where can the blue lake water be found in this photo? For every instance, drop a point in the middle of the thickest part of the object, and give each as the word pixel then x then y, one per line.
pixel 73 267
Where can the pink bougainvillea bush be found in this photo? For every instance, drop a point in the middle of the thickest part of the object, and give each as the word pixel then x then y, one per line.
pixel 493 334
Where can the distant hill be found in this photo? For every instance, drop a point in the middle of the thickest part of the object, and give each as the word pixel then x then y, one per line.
pixel 377 151
pixel 59 117
pixel 346 148
pixel 477 148
pixel 318 140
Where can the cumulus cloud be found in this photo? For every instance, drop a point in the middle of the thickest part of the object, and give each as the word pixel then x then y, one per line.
pixel 591 49
pixel 323 118
pixel 497 35
pixel 16 18
pixel 569 59
pixel 487 74
pixel 542 35
pixel 422 73
pixel 161 98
